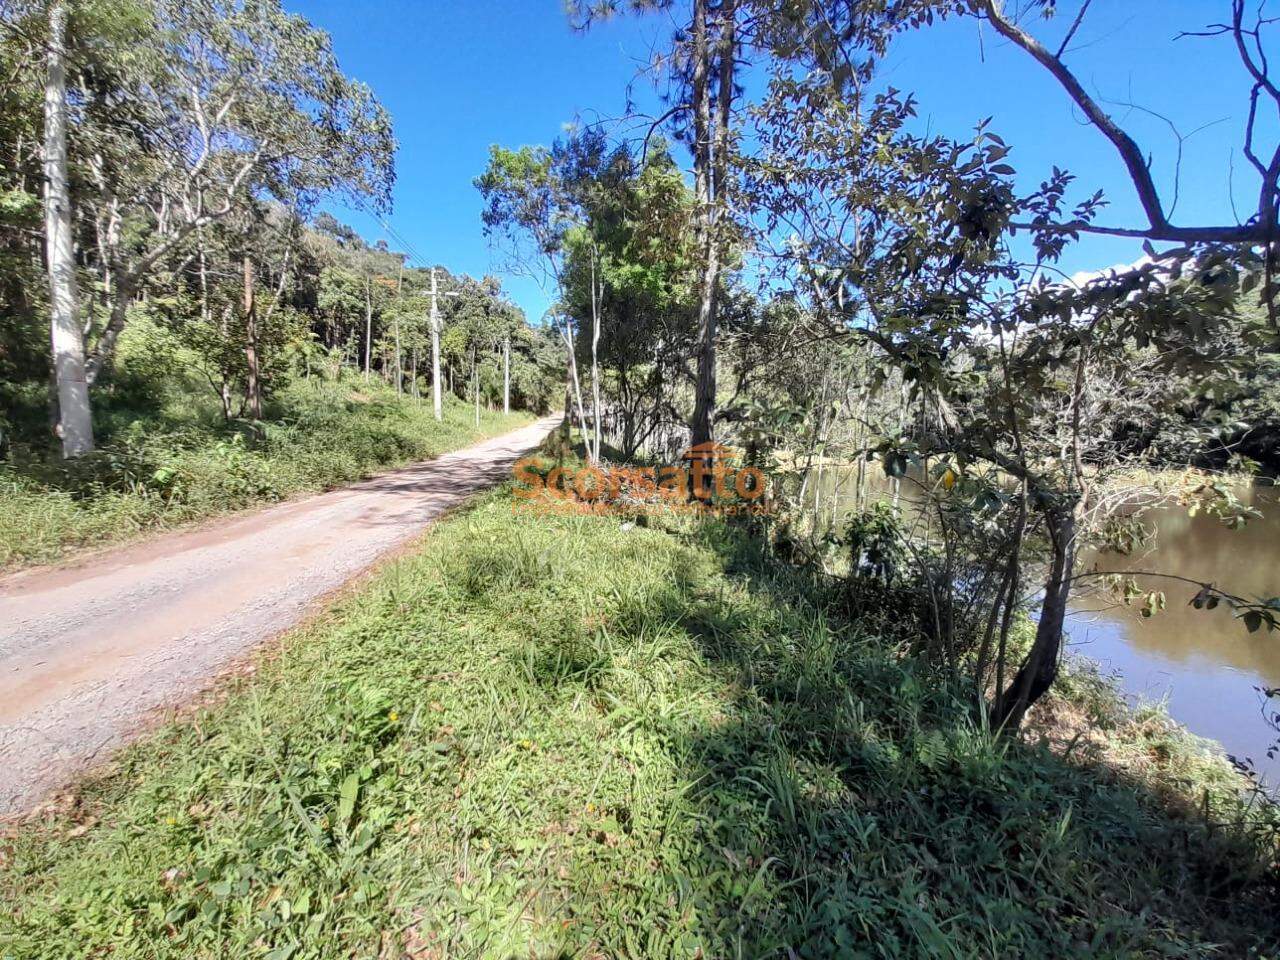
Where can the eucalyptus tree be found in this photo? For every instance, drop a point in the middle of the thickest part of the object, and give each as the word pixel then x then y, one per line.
pixel 476 321
pixel 630 284
pixel 189 111
pixel 340 303
pixel 701 67
pixel 70 375
pixel 536 202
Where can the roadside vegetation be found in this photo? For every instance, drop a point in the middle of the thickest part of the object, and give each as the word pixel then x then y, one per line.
pixel 180 463
pixel 187 331
pixel 580 736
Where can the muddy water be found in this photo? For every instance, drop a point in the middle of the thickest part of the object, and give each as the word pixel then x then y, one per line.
pixel 1204 665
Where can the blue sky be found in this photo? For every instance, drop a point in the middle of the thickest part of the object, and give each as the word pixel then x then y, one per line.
pixel 458 77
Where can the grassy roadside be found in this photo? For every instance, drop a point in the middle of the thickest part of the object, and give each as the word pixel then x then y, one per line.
pixel 181 464
pixel 573 737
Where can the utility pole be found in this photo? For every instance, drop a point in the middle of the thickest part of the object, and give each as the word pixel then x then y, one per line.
pixel 396 322
pixel 506 374
pixel 435 349
pixel 435 345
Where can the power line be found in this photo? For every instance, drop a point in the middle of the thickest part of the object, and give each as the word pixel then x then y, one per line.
pixel 400 239
pixel 396 235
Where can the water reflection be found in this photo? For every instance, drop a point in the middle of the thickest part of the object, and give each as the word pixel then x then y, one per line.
pixel 1202 663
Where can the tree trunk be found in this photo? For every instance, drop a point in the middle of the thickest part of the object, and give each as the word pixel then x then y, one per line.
pixel 1040 668
pixel 576 383
pixel 399 367
pixel 595 362
pixel 568 393
pixel 475 382
pixel 206 316
pixel 253 385
pixel 104 350
pixel 712 154
pixel 224 384
pixel 704 392
pixel 75 419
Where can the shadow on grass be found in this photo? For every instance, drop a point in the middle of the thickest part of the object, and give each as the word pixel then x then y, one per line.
pixel 849 806
pixel 614 744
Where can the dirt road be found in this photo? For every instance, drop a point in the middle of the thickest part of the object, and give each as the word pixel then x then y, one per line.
pixel 89 650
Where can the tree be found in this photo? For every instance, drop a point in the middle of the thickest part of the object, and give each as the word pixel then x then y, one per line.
pixel 902 242
pixel 75 420
pixel 1245 29
pixel 702 63
pixel 534 200
pixel 631 281
pixel 192 111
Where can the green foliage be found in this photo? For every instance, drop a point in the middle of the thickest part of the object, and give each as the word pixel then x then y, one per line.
pixel 178 462
pixel 576 737
pixel 876 542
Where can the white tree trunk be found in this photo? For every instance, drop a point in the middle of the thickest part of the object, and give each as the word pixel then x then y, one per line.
pixel 595 345
pixel 75 420
pixel 506 375
pixel 368 326
pixel 576 385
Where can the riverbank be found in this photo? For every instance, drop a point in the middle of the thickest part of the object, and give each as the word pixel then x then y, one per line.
pixel 179 463
pixel 579 736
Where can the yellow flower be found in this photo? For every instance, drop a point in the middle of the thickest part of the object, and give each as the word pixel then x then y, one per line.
pixel 393 716
pixel 171 821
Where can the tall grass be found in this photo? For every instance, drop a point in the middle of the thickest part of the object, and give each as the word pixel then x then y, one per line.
pixel 176 462
pixel 575 737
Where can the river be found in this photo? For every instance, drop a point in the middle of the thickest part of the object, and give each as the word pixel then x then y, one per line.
pixel 1204 665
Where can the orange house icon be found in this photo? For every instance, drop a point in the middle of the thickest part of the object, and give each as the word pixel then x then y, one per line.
pixel 715 452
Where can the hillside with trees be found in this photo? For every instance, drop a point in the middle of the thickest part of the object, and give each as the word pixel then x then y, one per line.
pixel 183 327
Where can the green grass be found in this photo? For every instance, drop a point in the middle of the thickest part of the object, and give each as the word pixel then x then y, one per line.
pixel 570 737
pixel 177 462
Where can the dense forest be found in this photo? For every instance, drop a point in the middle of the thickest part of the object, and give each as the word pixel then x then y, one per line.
pixel 809 722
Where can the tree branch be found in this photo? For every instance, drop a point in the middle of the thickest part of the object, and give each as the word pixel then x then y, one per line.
pixel 1129 151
